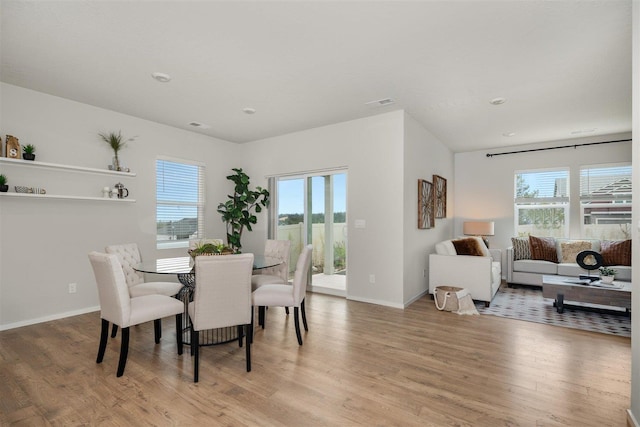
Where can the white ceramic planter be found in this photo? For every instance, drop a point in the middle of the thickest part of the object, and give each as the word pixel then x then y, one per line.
pixel 607 279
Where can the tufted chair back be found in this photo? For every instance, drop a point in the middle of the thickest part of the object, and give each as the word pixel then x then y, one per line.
pixel 129 255
pixel 278 249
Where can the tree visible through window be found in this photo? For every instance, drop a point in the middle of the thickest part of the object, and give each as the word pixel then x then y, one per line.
pixel 542 202
pixel 179 203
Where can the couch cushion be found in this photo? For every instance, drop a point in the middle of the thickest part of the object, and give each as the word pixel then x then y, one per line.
pixel 468 246
pixel 543 248
pixel 574 270
pixel 623 272
pixel 521 248
pixel 616 252
pixel 534 266
pixel 569 250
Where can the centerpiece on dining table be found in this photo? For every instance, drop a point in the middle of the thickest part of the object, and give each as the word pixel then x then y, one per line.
pixel 211 247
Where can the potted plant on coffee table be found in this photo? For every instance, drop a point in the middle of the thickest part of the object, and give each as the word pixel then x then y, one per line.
pixel 607 274
pixel 28 152
pixel 3 184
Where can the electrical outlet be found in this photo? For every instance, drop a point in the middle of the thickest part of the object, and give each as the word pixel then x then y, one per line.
pixel 73 288
pixel 424 273
pixel 372 278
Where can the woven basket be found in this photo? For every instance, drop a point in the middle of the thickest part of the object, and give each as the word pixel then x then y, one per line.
pixel 445 298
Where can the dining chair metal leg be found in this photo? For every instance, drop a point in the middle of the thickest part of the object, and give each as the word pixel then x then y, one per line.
pixel 286 310
pixel 104 335
pixel 195 348
pixel 296 322
pixel 250 336
pixel 240 335
pixel 248 349
pixel 157 330
pixel 124 351
pixel 179 333
pixel 114 330
pixel 261 316
pixel 304 316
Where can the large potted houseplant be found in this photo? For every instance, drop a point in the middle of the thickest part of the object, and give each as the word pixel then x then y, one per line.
pixel 238 211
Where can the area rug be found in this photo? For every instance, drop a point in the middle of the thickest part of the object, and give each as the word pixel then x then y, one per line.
pixel 526 303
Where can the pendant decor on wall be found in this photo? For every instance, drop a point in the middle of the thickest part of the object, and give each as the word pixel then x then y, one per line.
pixel 440 196
pixel 426 218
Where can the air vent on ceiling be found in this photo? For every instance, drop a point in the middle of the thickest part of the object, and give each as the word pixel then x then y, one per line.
pixel 199 125
pixel 381 102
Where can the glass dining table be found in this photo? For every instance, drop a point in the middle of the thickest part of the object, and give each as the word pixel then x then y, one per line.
pixel 183 268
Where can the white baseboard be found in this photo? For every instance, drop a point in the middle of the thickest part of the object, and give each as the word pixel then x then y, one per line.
pixel 416 298
pixel 631 420
pixel 48 318
pixel 374 301
pixel 328 291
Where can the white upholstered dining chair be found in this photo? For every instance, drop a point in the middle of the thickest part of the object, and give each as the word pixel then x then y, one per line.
pixel 129 256
pixel 222 298
pixel 279 274
pixel 278 295
pixel 118 307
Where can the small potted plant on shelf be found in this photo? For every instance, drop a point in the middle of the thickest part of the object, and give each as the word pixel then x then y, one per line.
pixel 3 184
pixel 116 142
pixel 28 152
pixel 607 274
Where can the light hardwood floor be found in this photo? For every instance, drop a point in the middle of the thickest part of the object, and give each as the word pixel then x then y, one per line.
pixel 360 364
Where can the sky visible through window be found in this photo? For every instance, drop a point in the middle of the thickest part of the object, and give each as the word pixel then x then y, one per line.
pixel 291 194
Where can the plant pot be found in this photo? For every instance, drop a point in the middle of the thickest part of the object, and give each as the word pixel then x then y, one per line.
pixel 28 156
pixel 4 188
pixel 607 279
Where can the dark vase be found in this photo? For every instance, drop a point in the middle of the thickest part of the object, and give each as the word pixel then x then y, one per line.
pixel 4 188
pixel 28 156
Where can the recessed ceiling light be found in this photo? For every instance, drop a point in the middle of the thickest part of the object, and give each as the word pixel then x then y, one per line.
pixel 381 102
pixel 161 77
pixel 497 101
pixel 509 134
pixel 249 110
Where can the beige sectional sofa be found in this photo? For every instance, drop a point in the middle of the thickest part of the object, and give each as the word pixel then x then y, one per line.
pixel 530 271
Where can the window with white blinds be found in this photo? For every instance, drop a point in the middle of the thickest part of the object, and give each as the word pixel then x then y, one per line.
pixel 542 203
pixel 179 202
pixel 605 201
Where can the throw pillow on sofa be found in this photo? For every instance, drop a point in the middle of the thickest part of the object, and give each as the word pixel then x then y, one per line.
pixel 570 250
pixel 521 248
pixel 543 248
pixel 616 252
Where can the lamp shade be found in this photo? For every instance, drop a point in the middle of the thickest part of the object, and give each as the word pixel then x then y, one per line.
pixel 478 228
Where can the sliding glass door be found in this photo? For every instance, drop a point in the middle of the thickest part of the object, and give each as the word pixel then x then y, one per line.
pixel 311 209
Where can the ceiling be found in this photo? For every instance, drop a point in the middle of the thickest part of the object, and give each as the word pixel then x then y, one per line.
pixel 564 67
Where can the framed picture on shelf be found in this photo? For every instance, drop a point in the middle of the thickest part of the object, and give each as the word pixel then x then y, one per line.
pixel 440 196
pixel 426 217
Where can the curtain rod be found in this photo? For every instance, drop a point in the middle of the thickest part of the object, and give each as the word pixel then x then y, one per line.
pixel 555 148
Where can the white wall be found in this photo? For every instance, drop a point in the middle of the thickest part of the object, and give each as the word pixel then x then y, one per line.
pixel 44 243
pixel 424 156
pixel 371 150
pixel 484 186
pixel 635 250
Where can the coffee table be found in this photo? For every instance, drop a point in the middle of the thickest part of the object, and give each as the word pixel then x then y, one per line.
pixel 561 288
